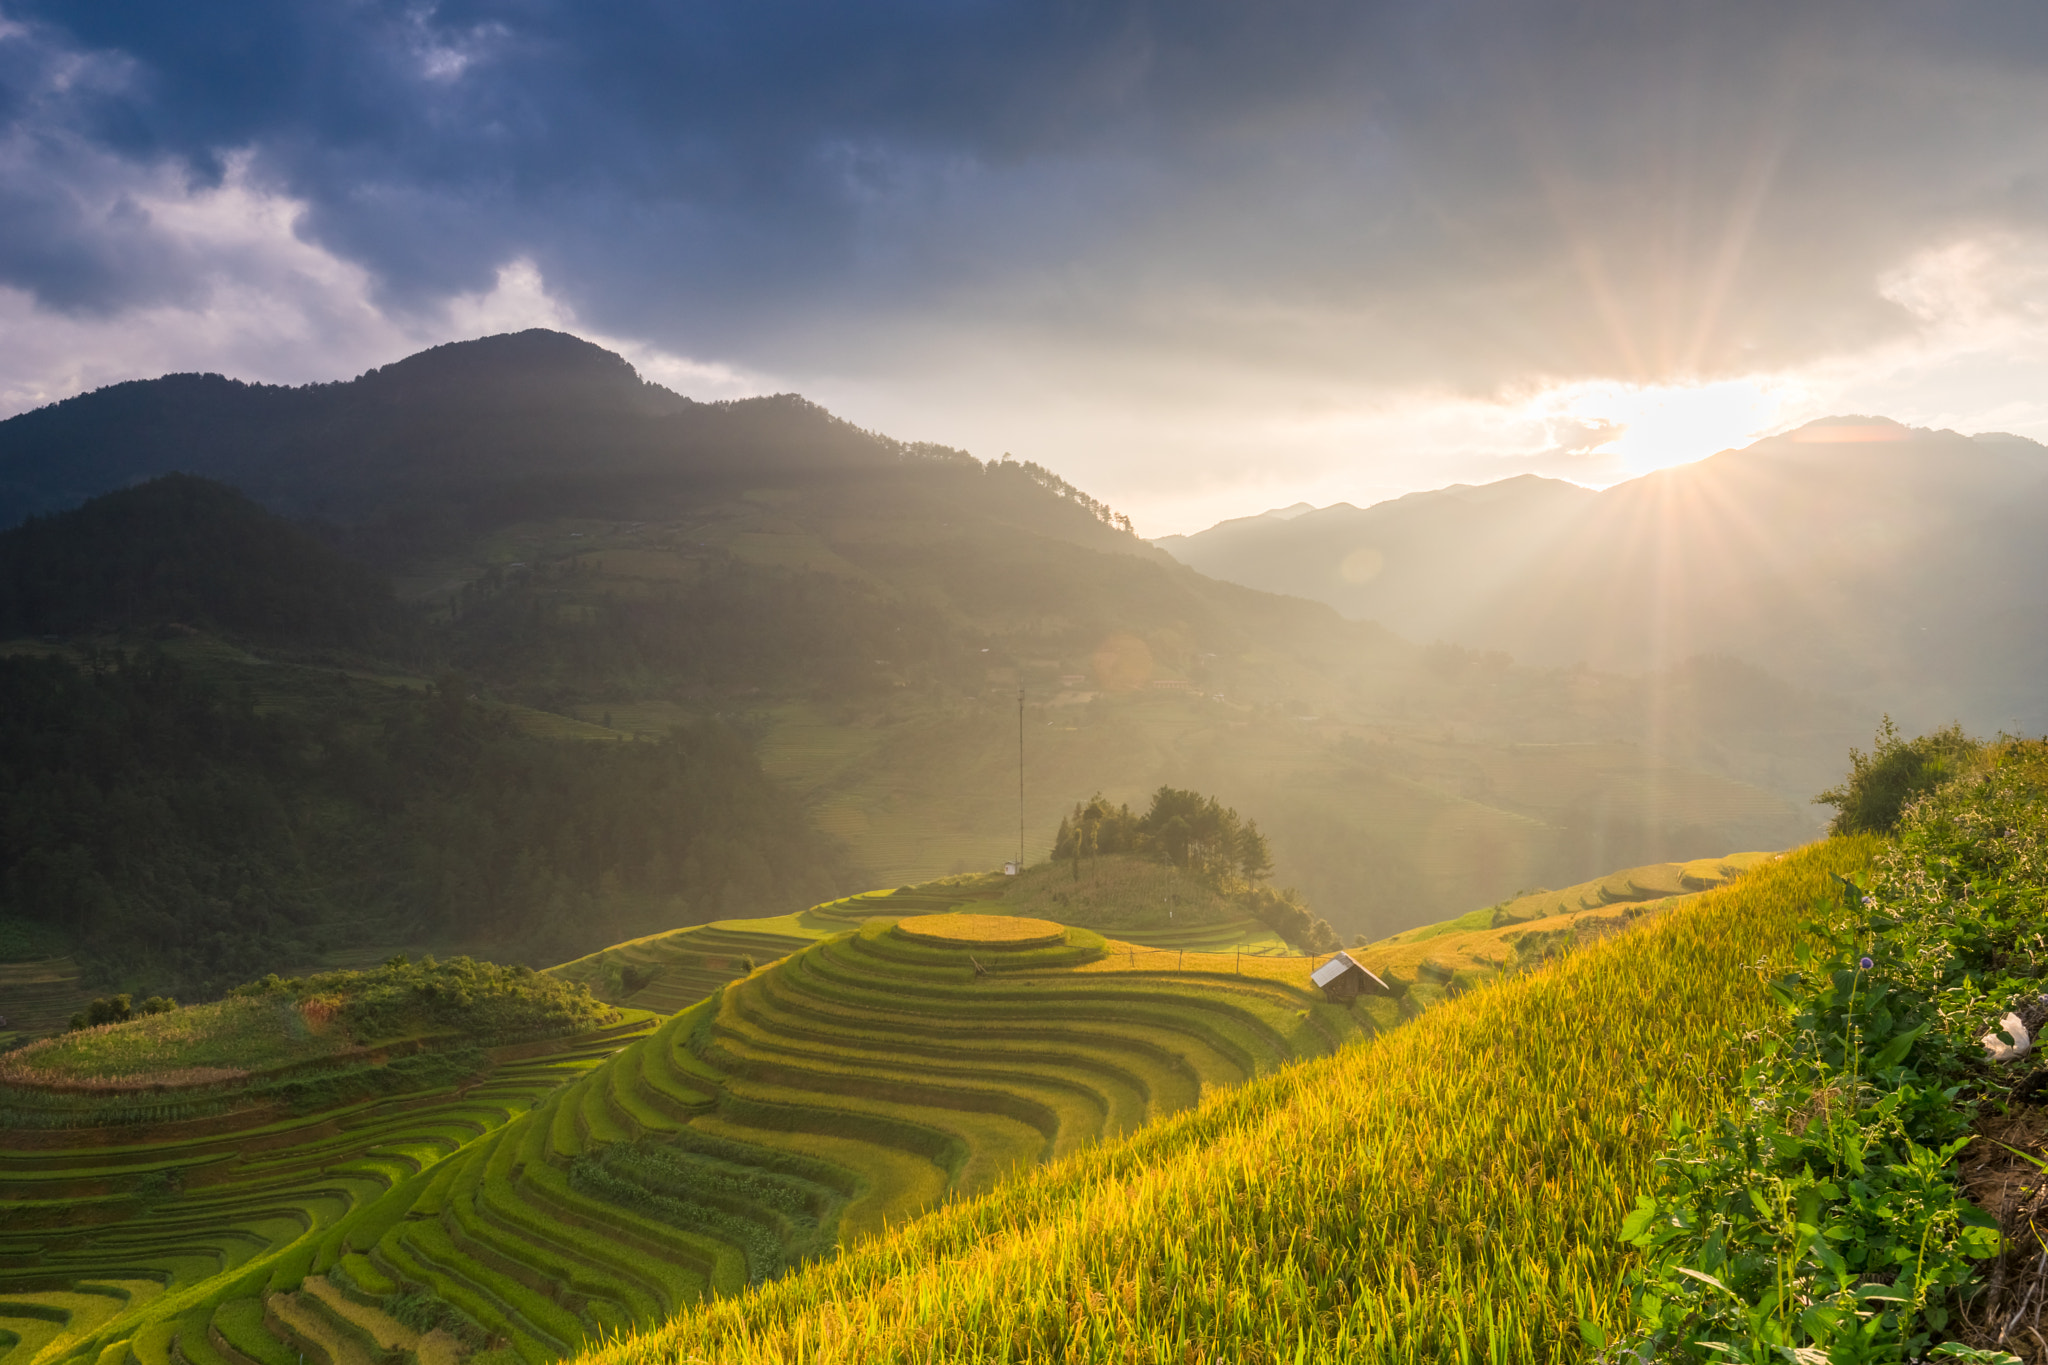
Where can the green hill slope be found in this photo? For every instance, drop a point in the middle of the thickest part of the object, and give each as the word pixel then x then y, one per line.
pixel 188 815
pixel 1450 1190
pixel 876 1073
pixel 190 552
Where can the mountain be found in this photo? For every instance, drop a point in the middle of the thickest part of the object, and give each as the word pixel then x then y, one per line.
pixel 1409 563
pixel 538 412
pixel 1901 568
pixel 586 559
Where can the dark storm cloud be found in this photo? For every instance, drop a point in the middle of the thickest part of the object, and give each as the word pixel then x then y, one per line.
pixel 1461 193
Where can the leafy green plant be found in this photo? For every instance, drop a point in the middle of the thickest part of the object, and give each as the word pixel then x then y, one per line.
pixel 1883 782
pixel 1823 1220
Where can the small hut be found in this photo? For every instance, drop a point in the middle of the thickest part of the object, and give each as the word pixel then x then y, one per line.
pixel 1343 979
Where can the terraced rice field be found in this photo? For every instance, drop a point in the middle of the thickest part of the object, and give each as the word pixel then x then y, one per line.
pixel 1527 929
pixel 564 1194
pixel 1449 1191
pixel 154 1240
pixel 822 1099
pixel 669 971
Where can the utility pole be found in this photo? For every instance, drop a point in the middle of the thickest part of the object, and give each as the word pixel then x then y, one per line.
pixel 1020 781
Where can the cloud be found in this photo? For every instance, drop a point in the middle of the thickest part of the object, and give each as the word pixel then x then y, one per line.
pixel 256 300
pixel 1184 252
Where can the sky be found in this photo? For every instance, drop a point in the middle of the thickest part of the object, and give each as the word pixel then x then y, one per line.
pixel 1202 258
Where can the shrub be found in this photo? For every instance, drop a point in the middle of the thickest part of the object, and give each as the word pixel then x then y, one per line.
pixel 1884 781
pixel 109 1009
pixel 462 995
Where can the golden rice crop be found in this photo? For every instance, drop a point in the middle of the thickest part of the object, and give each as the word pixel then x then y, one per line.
pixel 956 928
pixel 1447 1191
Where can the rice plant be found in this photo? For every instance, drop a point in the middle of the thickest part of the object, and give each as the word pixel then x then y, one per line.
pixel 1448 1191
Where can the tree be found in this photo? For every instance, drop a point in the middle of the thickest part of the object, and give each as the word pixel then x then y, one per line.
pixel 1254 855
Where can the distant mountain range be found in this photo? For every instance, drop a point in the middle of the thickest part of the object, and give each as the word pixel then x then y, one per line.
pixel 1903 568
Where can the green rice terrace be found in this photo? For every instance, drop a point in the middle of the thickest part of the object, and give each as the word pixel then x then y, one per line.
pixel 1136 900
pixel 443 1198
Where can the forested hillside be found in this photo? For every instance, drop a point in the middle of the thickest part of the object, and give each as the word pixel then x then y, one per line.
pixel 183 551
pixel 182 835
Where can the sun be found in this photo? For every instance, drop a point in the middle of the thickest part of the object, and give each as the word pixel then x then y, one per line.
pixel 1667 424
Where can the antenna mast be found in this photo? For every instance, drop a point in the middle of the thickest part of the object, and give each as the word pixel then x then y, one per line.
pixel 1020 781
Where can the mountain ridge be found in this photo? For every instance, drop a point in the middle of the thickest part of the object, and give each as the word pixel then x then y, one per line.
pixel 1855 555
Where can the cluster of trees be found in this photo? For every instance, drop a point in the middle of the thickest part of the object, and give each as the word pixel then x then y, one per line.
pixel 1185 828
pixel 172 833
pixel 1200 835
pixel 1060 488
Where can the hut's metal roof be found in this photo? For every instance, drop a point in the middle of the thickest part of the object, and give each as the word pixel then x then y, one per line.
pixel 1334 968
pixel 1341 965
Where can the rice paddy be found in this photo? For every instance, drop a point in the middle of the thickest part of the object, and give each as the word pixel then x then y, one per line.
pixel 909 1126
pixel 1448 1191
pixel 1527 930
pixel 153 1225
pixel 882 1071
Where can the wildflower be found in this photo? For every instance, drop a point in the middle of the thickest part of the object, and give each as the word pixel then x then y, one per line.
pixel 1865 963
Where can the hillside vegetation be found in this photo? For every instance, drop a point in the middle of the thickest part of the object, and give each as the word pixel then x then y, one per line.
pixel 189 552
pixel 274 1023
pixel 1449 1190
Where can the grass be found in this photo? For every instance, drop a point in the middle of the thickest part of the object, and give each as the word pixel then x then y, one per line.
pixel 1528 929
pixel 199 1044
pixel 1447 1191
